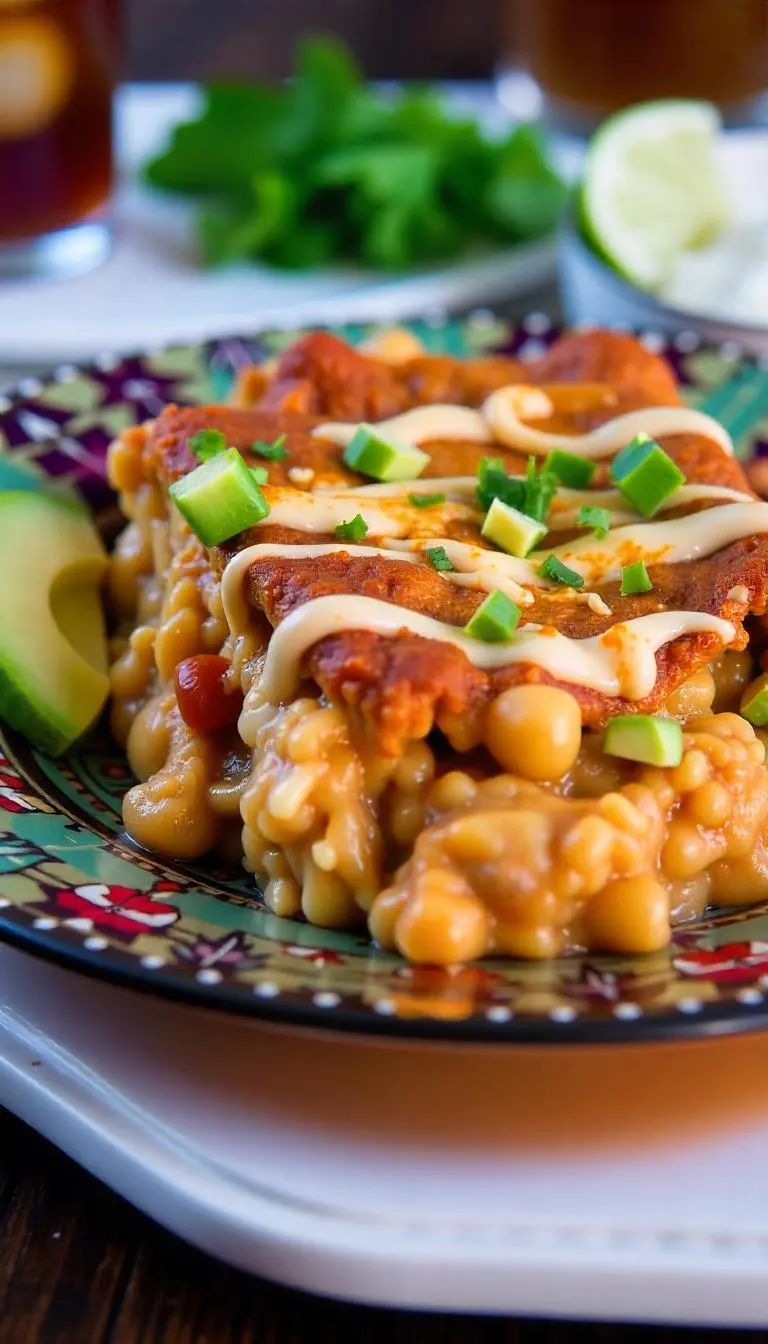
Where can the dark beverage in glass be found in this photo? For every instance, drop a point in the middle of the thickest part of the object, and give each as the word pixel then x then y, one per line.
pixel 589 58
pixel 58 62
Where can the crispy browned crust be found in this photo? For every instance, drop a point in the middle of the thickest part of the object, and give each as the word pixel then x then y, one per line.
pixel 323 376
pixel 405 685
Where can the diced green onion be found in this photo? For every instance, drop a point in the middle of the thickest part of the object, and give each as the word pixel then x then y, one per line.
pixel 513 531
pixel 530 494
pixel 575 472
pixel 754 702
pixel 206 443
pixel 596 518
pixel 425 501
pixel 219 498
pixel 274 452
pixel 381 459
pixel 438 558
pixel 494 482
pixel 644 737
pixel 540 487
pixel 645 474
pixel 354 530
pixel 552 568
pixel 495 620
pixel 260 475
pixel 635 579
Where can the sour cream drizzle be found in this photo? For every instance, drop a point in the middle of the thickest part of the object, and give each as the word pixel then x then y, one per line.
pixel 394 517
pixel 621 661
pixel 502 420
pixel 564 508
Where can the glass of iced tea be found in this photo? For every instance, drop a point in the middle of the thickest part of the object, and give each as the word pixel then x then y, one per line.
pixel 58 64
pixel 584 59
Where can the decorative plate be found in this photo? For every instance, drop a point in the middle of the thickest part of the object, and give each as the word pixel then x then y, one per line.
pixel 72 886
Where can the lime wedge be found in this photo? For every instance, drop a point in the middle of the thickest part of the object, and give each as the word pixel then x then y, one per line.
pixel 652 188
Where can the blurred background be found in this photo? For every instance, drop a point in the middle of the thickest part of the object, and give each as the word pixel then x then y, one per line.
pixel 308 194
pixel 194 39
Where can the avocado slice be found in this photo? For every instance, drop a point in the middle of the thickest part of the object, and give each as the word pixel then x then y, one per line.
pixel 53 651
pixel 644 737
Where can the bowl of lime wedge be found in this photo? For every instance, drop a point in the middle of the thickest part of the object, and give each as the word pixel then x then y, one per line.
pixel 669 230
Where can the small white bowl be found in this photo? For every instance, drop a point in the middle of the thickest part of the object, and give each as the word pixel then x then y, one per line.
pixel 592 291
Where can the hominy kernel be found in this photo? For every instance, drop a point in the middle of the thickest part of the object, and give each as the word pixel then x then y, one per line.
pixel 629 915
pixel 687 851
pixel 283 897
pixel 587 846
pixel 324 856
pixel 716 749
pixel 756 751
pixel 731 673
pixel 711 805
pixel 442 925
pixel 693 697
pixel 620 812
pixel 474 838
pixel 452 791
pixel 384 914
pixel 178 638
pixel 406 819
pixel 416 767
pixel 537 943
pixel 693 771
pixel 534 731
pixel 326 899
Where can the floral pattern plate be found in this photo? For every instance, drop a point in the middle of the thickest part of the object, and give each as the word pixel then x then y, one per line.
pixel 73 887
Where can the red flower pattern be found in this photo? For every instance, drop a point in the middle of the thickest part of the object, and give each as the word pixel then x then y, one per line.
pixel 124 910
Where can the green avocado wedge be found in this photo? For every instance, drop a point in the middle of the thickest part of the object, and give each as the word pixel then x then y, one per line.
pixel 53 651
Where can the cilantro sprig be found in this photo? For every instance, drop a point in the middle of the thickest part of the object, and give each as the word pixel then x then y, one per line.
pixel 354 530
pixel 325 166
pixel 273 452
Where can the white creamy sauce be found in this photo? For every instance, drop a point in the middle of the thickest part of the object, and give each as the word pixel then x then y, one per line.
pixel 564 508
pixel 323 512
pixel 500 420
pixel 501 414
pixel 674 541
pixel 622 661
pixel 416 426
pixel 727 279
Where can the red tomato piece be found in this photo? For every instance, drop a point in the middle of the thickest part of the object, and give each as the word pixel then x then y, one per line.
pixel 206 704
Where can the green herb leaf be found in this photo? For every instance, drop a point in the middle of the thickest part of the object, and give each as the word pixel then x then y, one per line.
pixel 596 518
pixel 354 530
pixel 552 568
pixel 274 452
pixel 425 501
pixel 326 166
pixel 571 470
pixel 540 487
pixel 438 558
pixel 635 579
pixel 206 443
pixel 495 620
pixel 260 475
pixel 531 494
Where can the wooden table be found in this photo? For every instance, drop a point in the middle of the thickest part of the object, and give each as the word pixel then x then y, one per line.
pixel 78 1265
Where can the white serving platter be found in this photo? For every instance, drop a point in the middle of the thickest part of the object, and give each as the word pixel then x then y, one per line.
pixel 605 1183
